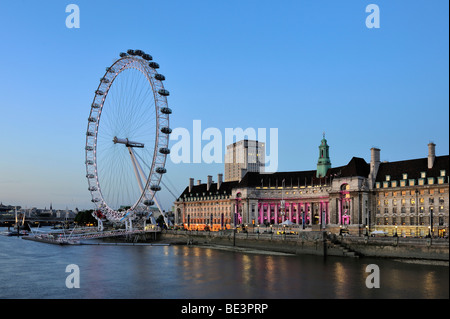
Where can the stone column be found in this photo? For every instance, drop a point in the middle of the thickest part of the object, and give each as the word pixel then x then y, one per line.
pixel 276 214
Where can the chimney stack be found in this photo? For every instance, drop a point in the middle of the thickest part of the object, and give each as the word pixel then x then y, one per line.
pixel 374 165
pixel 209 181
pixel 431 154
pixel 191 184
pixel 219 180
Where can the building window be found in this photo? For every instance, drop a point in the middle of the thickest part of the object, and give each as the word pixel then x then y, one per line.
pixel 388 178
pixel 402 183
pixel 431 200
pixel 441 209
pixel 412 182
pixel 441 180
pixel 423 174
pixel 430 180
pixel 377 184
pixel 443 173
pixel 421 220
pixel 412 210
pixel 412 221
pixel 405 176
pixel 394 183
pixel 441 221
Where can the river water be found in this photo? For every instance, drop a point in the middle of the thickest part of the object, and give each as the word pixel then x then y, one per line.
pixel 38 270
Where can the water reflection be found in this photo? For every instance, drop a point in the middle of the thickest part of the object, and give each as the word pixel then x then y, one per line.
pixel 181 272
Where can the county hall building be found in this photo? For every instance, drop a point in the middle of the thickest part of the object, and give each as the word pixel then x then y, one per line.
pixel 407 198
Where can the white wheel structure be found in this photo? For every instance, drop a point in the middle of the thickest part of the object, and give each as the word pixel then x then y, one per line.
pixel 127 139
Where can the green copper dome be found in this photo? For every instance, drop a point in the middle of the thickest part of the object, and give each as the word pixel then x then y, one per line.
pixel 324 162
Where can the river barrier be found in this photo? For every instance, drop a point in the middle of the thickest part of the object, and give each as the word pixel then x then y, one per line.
pixel 317 243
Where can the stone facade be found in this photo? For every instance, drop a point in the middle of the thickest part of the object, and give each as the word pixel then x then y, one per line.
pixel 354 197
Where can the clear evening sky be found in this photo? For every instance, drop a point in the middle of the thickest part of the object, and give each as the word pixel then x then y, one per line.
pixel 301 66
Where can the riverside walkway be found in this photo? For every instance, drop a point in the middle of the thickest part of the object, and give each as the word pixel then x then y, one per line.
pixel 76 236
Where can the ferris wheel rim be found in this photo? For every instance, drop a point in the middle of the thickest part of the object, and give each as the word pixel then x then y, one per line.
pixel 160 148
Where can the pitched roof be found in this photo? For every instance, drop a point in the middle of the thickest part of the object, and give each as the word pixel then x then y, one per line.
pixel 356 167
pixel 413 168
pixel 225 187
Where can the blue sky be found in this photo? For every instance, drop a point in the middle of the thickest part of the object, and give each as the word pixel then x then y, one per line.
pixel 301 66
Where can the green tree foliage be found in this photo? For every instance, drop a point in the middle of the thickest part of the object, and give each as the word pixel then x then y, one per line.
pixel 85 217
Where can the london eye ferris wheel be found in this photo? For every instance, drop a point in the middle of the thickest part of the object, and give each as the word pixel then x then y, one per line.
pixel 127 138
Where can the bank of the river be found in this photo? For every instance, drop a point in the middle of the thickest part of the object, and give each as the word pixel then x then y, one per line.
pixel 317 243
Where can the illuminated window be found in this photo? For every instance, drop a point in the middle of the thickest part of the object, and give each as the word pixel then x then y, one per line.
pixel 405 176
pixel 388 178
pixel 394 183
pixel 413 201
pixel 430 180
pixel 443 173
pixel 402 183
pixel 412 182
pixel 423 174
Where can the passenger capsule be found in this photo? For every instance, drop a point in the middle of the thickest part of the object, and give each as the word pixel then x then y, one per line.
pixel 147 57
pixel 161 170
pixel 164 150
pixel 138 52
pixel 148 202
pixel 104 80
pixel 92 119
pixel 95 200
pixel 123 54
pixel 160 77
pixel 166 110
pixel 95 105
pixel 89 148
pixel 153 65
pixel 90 133
pixel 90 175
pixel 155 188
pixel 166 130
pixel 92 188
pixel 90 162
pixel 131 52
pixel 164 92
pixel 110 70
pixel 99 92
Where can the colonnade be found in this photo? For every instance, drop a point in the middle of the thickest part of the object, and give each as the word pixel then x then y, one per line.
pixel 300 213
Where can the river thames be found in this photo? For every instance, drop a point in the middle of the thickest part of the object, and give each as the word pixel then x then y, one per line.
pixel 33 270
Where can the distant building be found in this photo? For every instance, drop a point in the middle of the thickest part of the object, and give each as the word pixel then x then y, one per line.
pixel 407 198
pixel 242 157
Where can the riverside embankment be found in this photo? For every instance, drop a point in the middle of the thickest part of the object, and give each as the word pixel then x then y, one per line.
pixel 316 243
